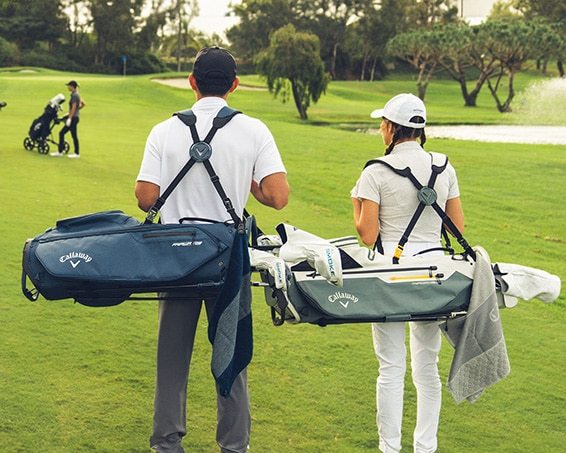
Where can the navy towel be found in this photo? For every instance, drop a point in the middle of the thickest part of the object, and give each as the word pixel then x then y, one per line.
pixel 230 329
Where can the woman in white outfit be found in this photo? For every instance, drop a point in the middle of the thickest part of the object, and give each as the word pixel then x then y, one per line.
pixel 384 203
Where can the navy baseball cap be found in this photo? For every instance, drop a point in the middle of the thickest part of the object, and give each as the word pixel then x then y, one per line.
pixel 214 63
pixel 72 83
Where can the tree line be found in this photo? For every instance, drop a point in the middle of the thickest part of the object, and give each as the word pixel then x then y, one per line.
pixel 100 35
pixel 299 45
pixel 478 55
pixel 363 39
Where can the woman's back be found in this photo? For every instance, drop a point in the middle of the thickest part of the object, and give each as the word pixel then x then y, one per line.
pixel 397 196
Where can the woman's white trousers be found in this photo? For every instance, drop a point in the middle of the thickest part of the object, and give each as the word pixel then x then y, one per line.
pixel 389 345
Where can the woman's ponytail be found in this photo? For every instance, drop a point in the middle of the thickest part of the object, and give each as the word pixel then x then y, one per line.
pixel 395 139
pixel 401 132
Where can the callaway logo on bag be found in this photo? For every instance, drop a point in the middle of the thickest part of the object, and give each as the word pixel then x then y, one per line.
pixel 75 258
pixel 342 298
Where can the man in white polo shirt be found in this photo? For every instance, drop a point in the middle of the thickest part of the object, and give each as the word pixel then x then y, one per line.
pixel 246 159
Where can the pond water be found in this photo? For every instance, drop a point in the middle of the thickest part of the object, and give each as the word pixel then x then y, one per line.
pixel 536 135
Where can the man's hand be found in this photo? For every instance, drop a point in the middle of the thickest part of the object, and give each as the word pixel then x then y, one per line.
pixel 68 122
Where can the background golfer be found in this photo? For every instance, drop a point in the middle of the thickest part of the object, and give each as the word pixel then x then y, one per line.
pixel 72 120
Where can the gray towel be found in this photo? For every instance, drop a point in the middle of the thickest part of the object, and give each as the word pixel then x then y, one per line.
pixel 480 358
pixel 230 327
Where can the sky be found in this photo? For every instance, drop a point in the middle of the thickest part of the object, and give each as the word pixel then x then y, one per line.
pixel 212 18
pixel 475 10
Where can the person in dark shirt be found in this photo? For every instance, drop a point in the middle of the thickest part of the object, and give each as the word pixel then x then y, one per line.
pixel 72 121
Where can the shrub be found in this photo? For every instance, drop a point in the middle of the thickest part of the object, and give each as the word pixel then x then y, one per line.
pixel 137 63
pixel 143 63
pixel 9 53
pixel 52 60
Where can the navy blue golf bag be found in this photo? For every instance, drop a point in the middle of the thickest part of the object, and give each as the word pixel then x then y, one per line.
pixel 103 258
pixel 41 127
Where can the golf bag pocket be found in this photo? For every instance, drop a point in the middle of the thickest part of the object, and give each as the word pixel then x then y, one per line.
pixel 39 128
pixel 101 259
pixel 376 299
pixel 419 288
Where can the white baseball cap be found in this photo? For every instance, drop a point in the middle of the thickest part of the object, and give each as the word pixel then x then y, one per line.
pixel 401 109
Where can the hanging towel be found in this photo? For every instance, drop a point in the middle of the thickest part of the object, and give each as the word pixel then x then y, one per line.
pixel 230 327
pixel 480 358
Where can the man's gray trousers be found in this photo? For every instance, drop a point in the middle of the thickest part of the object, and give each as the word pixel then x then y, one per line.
pixel 178 321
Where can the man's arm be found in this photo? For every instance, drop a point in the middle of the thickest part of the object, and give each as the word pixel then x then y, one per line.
pixel 147 194
pixel 273 190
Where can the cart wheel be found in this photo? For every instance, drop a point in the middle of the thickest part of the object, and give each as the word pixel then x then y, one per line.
pixel 43 148
pixel 66 147
pixel 28 143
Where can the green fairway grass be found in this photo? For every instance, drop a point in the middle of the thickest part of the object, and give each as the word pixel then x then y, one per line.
pixel 78 379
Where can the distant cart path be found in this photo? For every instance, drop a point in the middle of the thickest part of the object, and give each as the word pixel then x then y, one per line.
pixel 184 83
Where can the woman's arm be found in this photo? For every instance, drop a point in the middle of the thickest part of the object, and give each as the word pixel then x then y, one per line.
pixel 73 111
pixel 455 212
pixel 366 219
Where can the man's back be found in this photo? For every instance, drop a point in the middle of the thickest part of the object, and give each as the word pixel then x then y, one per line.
pixel 242 150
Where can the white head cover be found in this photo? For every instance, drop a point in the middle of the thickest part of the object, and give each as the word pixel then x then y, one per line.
pixel 319 253
pixel 57 100
pixel 401 109
pixel 266 261
pixel 528 282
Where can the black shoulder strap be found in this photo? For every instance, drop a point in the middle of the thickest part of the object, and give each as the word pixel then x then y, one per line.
pixel 427 197
pixel 189 118
pixel 200 151
pixel 222 118
pixel 407 173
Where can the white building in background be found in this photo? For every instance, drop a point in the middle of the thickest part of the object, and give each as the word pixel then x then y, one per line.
pixel 474 11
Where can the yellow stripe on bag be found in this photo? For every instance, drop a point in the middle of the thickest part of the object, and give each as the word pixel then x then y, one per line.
pixel 412 277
